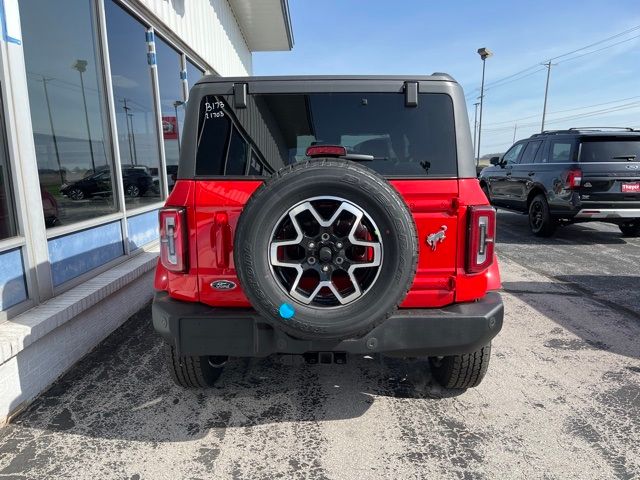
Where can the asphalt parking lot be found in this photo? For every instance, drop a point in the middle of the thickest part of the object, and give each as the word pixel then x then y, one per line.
pixel 561 400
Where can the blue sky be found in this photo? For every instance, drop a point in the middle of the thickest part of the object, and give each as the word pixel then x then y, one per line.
pixel 420 37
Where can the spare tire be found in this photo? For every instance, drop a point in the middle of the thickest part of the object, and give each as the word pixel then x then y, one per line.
pixel 325 249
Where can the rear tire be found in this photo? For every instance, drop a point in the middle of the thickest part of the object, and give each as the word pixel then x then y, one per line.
pixel 76 194
pixel 461 371
pixel 194 372
pixel 541 222
pixel 631 229
pixel 132 191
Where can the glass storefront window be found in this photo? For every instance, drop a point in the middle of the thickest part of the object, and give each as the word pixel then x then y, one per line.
pixel 66 96
pixel 7 219
pixel 193 74
pixel 133 99
pixel 171 100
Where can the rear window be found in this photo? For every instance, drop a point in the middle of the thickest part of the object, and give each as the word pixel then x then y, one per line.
pixel 275 130
pixel 610 150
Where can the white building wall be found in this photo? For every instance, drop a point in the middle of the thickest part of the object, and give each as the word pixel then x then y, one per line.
pixel 210 28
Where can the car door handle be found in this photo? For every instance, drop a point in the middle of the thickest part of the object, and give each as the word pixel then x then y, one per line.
pixel 222 239
pixel 508 174
pixel 531 174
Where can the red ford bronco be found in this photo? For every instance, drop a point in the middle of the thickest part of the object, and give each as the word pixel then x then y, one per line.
pixel 327 216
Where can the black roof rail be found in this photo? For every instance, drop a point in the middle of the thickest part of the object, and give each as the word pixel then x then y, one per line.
pixel 575 130
pixel 627 129
pixel 551 132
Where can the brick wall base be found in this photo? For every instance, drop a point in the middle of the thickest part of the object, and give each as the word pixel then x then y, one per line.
pixel 24 376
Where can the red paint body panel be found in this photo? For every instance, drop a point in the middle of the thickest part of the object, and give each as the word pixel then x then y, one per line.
pixel 217 208
pixel 432 204
pixel 213 209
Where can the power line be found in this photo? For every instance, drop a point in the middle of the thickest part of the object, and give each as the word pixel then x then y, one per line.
pixel 600 49
pixel 511 78
pixel 515 79
pixel 632 29
pixel 605 111
pixel 565 110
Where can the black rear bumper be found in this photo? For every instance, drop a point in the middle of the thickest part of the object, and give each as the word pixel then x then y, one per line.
pixel 197 329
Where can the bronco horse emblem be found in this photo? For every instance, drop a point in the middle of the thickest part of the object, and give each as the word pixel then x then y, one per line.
pixel 435 238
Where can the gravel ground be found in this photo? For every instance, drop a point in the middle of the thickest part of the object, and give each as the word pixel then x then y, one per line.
pixel 561 399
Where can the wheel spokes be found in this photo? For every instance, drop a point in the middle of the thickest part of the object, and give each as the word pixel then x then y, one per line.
pixel 326 252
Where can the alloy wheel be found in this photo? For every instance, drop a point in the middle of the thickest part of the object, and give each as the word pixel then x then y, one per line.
pixel 133 191
pixel 326 252
pixel 536 215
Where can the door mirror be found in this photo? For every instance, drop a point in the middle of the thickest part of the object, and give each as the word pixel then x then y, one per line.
pixel 494 160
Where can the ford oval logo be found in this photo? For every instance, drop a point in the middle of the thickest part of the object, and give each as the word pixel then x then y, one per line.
pixel 633 167
pixel 223 285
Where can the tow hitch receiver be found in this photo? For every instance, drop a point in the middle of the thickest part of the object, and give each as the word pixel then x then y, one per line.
pixel 313 358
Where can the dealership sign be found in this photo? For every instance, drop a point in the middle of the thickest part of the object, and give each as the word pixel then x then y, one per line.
pixel 170 128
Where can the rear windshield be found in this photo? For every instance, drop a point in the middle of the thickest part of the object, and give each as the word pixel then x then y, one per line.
pixel 275 130
pixel 610 150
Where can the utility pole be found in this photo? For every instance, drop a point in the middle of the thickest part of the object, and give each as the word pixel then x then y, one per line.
pixel 53 132
pixel 126 119
pixel 546 92
pixel 475 125
pixel 515 129
pixel 484 54
pixel 133 139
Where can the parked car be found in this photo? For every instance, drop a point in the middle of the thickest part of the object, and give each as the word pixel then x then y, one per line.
pixel 570 176
pixel 384 247
pixel 136 182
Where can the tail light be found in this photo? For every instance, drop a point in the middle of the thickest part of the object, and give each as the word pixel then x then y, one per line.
pixel 574 178
pixel 326 151
pixel 173 239
pixel 481 238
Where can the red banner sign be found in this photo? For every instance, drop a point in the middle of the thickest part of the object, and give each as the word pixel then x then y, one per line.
pixel 170 128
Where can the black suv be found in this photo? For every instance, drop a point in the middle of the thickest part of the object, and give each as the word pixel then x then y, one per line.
pixel 136 183
pixel 570 176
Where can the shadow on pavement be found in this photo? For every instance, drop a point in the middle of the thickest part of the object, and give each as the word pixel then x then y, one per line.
pixel 599 325
pixel 122 390
pixel 513 228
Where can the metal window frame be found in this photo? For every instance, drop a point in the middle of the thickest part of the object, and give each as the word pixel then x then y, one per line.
pixel 142 14
pixel 32 235
pixel 24 174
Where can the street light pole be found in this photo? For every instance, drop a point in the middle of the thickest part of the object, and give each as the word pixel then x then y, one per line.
pixel 484 54
pixel 475 125
pixel 515 129
pixel 81 67
pixel 546 92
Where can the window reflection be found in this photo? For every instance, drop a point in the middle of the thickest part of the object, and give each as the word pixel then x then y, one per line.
pixel 133 98
pixel 7 221
pixel 66 98
pixel 193 73
pixel 171 101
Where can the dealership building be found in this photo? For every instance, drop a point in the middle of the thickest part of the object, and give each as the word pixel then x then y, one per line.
pixel 93 94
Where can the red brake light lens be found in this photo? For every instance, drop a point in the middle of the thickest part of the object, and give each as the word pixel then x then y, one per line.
pixel 481 238
pixel 173 239
pixel 326 151
pixel 574 179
